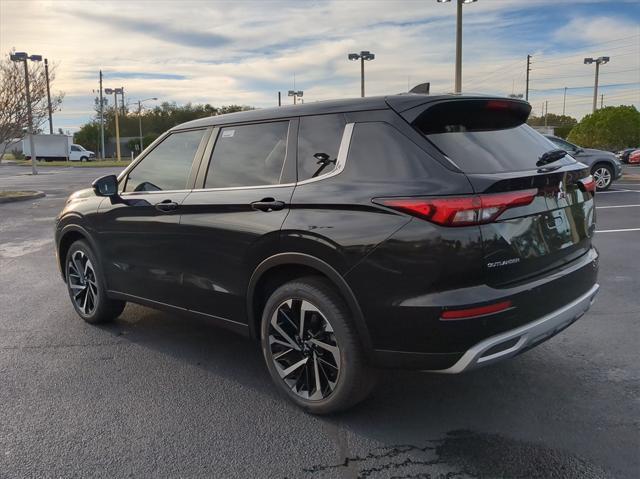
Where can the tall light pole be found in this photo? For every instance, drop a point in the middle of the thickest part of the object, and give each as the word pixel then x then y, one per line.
pixel 23 57
pixel 362 56
pixel 46 74
pixel 140 102
pixel 597 61
pixel 295 94
pixel 116 92
pixel 458 82
pixel 101 120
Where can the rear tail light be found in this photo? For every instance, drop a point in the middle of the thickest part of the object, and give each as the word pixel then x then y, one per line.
pixel 588 184
pixel 468 313
pixel 460 210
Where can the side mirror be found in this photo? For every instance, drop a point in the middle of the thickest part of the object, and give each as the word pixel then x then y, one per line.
pixel 578 150
pixel 106 186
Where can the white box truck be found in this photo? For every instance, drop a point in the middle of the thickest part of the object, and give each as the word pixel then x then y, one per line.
pixel 56 147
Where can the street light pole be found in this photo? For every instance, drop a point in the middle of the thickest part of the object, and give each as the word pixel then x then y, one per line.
pixel 458 75
pixel 115 92
pixel 458 81
pixel 140 102
pixel 46 74
pixel 597 61
pixel 362 56
pixel 295 94
pixel 23 57
pixel 101 120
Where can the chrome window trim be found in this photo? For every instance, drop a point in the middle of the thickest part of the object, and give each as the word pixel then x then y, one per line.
pixel 341 160
pixel 255 187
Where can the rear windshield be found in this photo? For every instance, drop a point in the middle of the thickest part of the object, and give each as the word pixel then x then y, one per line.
pixel 486 136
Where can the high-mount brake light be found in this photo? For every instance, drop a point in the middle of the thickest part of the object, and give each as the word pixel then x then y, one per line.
pixel 460 210
pixel 498 105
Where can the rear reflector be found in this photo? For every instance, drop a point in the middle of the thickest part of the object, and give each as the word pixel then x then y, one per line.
pixel 588 184
pixel 476 312
pixel 460 210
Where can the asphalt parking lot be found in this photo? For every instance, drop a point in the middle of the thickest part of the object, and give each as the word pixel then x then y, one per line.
pixel 156 395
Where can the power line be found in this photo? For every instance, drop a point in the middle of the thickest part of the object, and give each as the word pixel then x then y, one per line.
pixel 604 72
pixel 610 85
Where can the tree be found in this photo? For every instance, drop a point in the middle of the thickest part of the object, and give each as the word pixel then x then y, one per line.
pixel 611 128
pixel 562 123
pixel 13 99
pixel 89 136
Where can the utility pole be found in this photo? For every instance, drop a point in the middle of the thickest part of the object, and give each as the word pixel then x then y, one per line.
pixel 546 112
pixel 101 120
pixel 564 100
pixel 46 74
pixel 122 100
pixel 602 100
pixel 526 95
pixel 279 99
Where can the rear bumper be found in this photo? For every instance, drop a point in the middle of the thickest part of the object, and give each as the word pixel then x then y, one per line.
pixel 516 341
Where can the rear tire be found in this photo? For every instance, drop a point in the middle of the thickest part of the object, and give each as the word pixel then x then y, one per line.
pixel 311 348
pixel 86 288
pixel 603 176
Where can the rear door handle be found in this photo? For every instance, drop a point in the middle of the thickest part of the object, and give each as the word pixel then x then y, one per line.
pixel 268 204
pixel 166 205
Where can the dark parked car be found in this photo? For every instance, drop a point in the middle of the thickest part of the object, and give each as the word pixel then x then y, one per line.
pixel 605 166
pixel 436 233
pixel 623 155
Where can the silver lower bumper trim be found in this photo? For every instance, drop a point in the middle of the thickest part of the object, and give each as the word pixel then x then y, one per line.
pixel 523 337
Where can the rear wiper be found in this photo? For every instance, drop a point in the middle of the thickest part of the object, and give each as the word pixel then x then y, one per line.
pixel 550 156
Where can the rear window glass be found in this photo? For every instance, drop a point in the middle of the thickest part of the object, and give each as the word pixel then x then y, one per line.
pixel 486 136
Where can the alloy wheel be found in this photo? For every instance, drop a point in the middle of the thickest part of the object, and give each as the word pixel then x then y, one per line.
pixel 603 177
pixel 83 283
pixel 304 350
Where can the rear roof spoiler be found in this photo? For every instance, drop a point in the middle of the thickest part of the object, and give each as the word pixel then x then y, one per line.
pixel 410 105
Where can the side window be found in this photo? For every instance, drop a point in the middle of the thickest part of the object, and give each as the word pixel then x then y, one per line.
pixel 248 155
pixel 168 165
pixel 380 152
pixel 319 135
pixel 74 148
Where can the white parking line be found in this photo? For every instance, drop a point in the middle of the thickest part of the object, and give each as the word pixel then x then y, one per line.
pixel 617 231
pixel 617 191
pixel 617 206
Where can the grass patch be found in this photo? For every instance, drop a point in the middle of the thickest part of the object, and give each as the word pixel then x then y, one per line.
pixel 77 164
pixel 6 194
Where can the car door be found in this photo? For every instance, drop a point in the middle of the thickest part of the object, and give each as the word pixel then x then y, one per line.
pixel 74 153
pixel 232 222
pixel 140 233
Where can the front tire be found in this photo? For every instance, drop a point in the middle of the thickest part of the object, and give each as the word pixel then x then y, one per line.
pixel 86 286
pixel 603 176
pixel 311 348
pixel 84 158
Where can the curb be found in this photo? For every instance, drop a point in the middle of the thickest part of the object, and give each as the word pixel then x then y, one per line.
pixel 31 196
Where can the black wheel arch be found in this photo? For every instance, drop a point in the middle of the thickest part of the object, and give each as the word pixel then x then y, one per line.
pixel 301 264
pixel 69 234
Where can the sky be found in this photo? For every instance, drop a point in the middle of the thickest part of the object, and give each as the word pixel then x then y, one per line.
pixel 244 52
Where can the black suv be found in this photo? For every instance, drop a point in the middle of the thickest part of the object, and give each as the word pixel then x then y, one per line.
pixel 437 233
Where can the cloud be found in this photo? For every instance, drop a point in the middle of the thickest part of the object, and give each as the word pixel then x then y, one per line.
pixel 245 52
pixel 155 29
